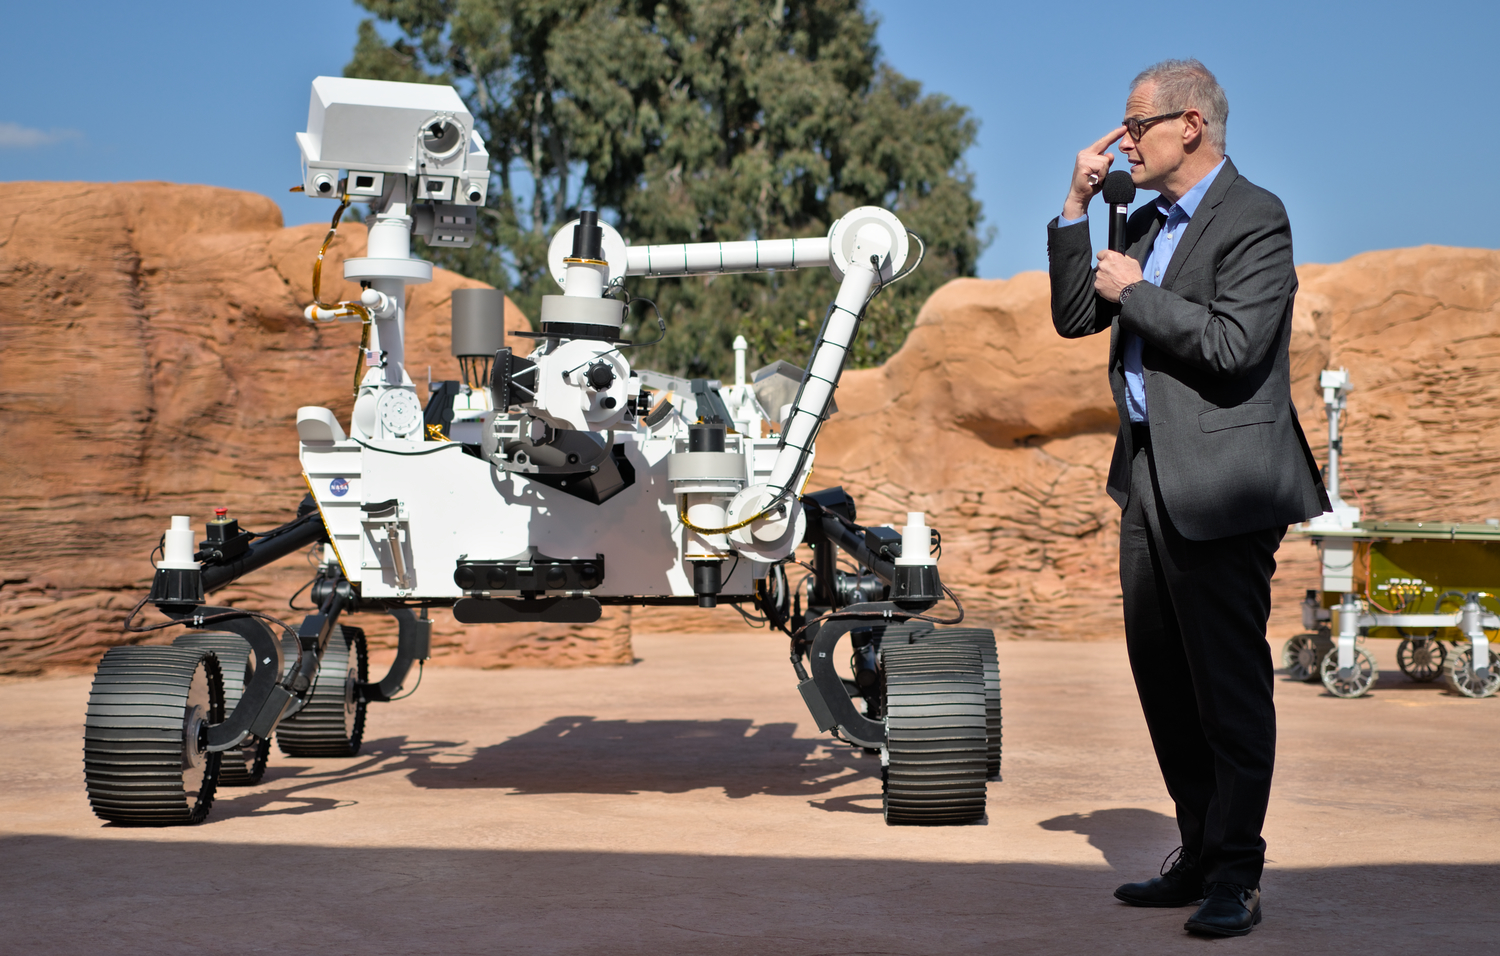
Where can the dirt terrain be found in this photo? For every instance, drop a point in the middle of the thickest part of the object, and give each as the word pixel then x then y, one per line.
pixel 685 805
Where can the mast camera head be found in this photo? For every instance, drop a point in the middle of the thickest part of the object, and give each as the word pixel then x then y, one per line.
pixel 391 142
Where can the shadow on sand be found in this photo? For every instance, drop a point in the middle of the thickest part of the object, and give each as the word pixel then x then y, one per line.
pixel 158 893
pixel 588 755
pixel 585 755
pixel 1125 835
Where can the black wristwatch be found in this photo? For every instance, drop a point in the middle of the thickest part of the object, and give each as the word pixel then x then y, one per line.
pixel 1125 292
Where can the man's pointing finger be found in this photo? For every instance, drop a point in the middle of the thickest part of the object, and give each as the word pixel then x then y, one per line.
pixel 1115 135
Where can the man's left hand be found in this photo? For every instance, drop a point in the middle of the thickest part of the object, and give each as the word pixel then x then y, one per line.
pixel 1116 271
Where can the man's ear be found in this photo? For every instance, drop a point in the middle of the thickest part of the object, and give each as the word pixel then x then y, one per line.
pixel 1192 130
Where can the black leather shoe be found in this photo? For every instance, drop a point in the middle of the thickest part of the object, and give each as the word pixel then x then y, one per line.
pixel 1227 910
pixel 1182 885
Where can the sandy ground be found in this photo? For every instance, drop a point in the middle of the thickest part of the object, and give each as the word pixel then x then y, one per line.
pixel 685 805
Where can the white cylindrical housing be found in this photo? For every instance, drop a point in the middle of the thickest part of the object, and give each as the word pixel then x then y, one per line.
pixel 585 280
pixel 916 541
pixel 178 549
pixel 390 236
pixel 706 511
pixel 708 258
pixel 740 345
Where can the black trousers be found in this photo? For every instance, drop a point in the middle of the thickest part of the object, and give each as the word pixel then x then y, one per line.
pixel 1195 627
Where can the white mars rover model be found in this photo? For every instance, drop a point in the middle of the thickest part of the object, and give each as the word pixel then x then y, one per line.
pixel 538 489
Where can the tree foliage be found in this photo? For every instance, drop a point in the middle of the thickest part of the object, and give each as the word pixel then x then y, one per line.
pixel 692 121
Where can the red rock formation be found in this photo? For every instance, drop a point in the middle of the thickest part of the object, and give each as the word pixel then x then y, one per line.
pixel 154 354
pixel 1002 431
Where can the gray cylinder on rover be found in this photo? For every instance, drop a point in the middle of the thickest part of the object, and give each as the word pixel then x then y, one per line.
pixel 478 322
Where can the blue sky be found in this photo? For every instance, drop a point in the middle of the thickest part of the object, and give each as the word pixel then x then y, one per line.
pixel 1377 123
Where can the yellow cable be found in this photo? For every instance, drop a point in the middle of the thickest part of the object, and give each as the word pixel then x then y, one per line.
pixel 682 516
pixel 682 513
pixel 364 345
pixel 341 308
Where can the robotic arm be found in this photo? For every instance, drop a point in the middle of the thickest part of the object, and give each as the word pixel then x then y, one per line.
pixel 864 249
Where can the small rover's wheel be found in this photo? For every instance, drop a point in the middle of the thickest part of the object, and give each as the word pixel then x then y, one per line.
pixel 1361 678
pixel 246 764
pixel 1421 658
pixel 145 760
pixel 935 732
pixel 1460 675
pixel 332 722
pixel 1302 654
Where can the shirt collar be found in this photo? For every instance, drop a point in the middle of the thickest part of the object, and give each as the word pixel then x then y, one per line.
pixel 1188 204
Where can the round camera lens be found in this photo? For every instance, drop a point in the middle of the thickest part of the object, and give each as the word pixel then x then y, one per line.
pixel 441 138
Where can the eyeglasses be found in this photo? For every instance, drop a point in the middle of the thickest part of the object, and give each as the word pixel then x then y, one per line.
pixel 1136 127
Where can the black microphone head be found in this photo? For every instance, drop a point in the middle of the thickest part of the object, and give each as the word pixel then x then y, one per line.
pixel 1119 188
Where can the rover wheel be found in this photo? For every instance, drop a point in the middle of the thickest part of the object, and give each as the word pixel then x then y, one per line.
pixel 1459 672
pixel 1302 654
pixel 246 764
pixel 332 722
pixel 145 760
pixel 1363 674
pixel 935 732
pixel 984 640
pixel 1421 659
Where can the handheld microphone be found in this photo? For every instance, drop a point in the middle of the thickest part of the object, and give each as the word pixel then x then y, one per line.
pixel 1119 193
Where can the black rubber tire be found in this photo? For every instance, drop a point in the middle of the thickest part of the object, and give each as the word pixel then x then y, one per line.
pixel 984 640
pixel 1460 676
pixel 1302 656
pixel 245 765
pixel 1422 661
pixel 332 722
pixel 936 738
pixel 1364 675
pixel 143 757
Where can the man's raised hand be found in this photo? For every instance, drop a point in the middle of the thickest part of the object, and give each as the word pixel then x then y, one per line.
pixel 1089 170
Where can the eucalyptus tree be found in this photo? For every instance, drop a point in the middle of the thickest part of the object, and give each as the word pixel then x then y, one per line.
pixel 692 121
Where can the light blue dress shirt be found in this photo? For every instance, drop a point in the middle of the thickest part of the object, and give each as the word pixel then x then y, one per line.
pixel 1179 214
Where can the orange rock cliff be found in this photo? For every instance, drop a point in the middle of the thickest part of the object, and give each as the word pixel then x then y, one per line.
pixel 154 354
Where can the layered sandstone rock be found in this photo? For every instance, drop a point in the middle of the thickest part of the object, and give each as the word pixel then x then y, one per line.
pixel 1002 431
pixel 154 354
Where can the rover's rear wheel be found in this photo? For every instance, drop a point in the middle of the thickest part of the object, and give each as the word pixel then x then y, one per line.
pixel 1421 659
pixel 244 765
pixel 332 722
pixel 935 731
pixel 145 760
pixel 1459 673
pixel 1302 656
pixel 1361 677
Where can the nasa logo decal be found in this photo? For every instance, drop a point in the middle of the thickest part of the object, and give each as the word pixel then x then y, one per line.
pixel 339 487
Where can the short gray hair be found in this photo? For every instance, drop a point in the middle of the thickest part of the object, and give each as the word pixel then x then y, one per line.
pixel 1188 85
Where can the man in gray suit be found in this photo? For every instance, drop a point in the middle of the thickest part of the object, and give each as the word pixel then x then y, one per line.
pixel 1210 465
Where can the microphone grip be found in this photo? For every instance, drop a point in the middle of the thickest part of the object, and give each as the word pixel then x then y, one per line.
pixel 1117 216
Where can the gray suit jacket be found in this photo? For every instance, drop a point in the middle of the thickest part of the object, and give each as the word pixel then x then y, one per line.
pixel 1230 454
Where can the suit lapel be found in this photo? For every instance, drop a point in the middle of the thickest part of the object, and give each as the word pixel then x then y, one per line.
pixel 1207 209
pixel 1142 250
